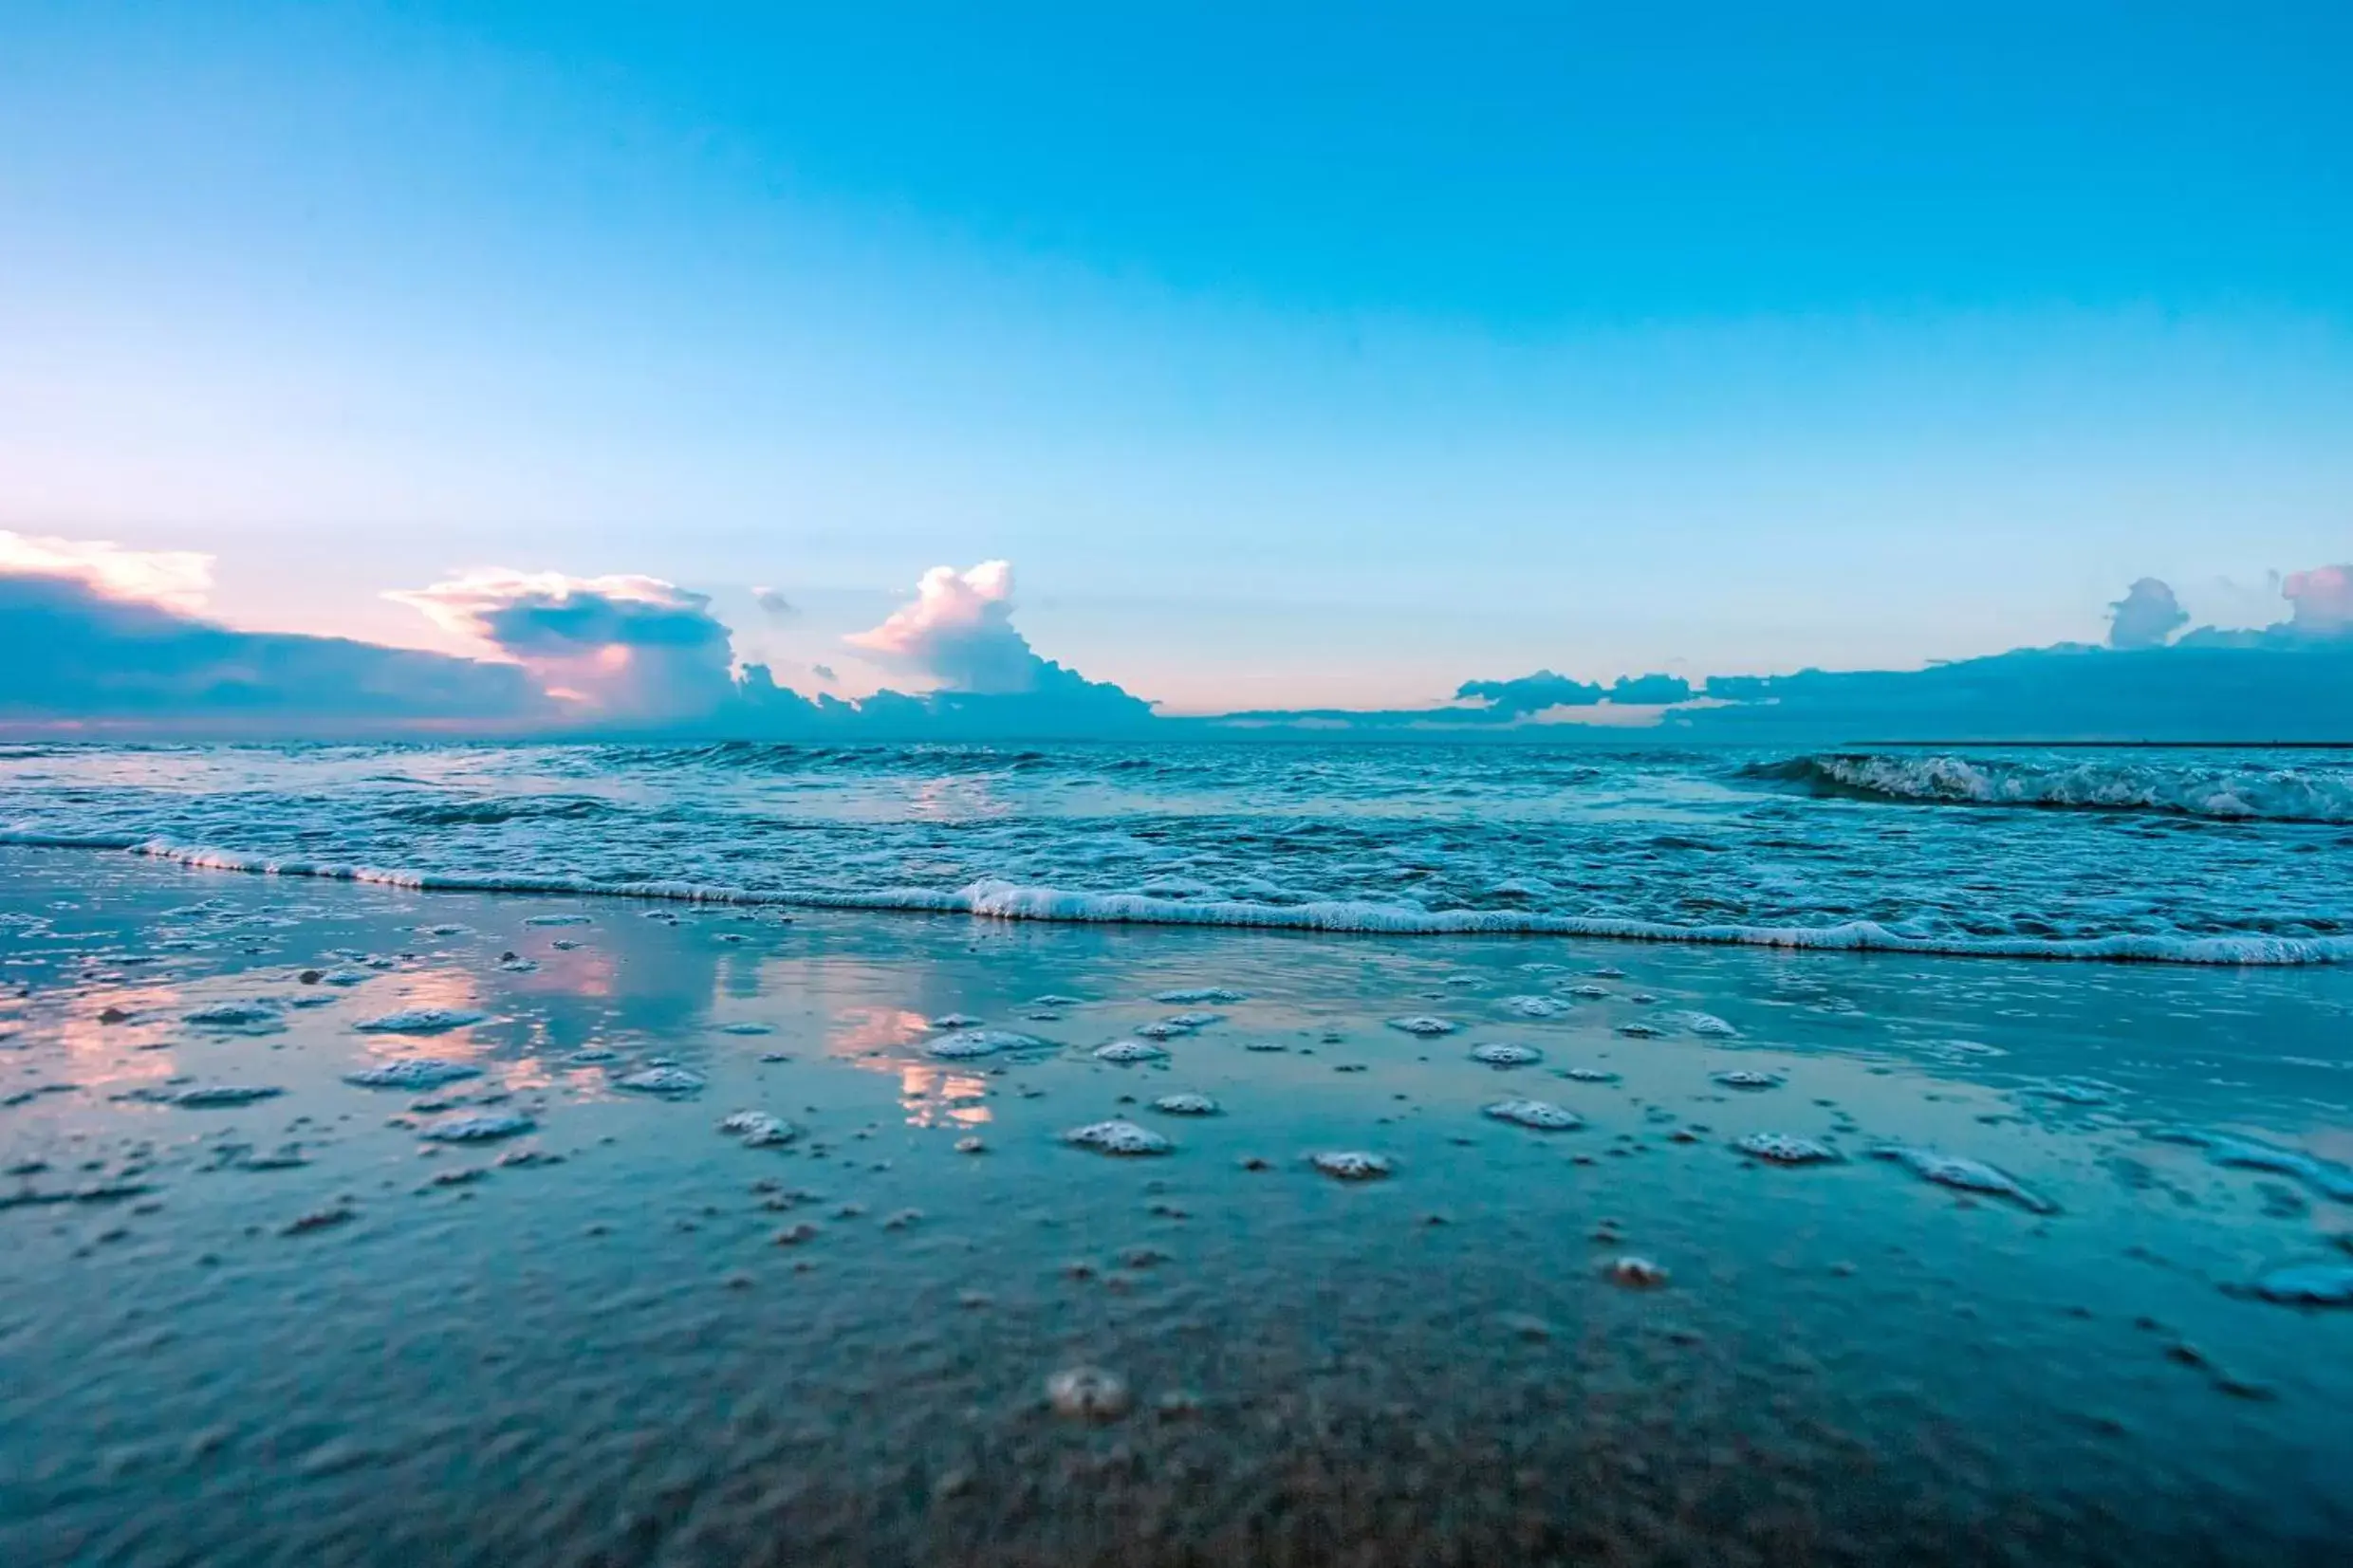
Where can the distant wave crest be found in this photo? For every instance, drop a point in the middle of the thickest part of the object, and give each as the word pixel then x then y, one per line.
pixel 2213 793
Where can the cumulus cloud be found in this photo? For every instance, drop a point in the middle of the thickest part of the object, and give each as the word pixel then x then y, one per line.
pixel 94 640
pixel 630 648
pixel 823 671
pixel 773 602
pixel 1528 693
pixel 177 580
pixel 2146 615
pixel 2321 600
pixel 958 631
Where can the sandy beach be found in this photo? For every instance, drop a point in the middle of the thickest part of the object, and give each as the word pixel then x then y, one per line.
pixel 546 1309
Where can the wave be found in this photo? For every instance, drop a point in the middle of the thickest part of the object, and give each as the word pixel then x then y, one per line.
pixel 490 811
pixel 2209 793
pixel 994 900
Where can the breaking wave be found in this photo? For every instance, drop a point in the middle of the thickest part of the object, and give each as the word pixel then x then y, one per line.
pixel 2212 792
pixel 996 899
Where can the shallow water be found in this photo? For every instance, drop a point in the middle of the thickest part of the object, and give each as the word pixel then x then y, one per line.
pixel 299 1329
pixel 2152 855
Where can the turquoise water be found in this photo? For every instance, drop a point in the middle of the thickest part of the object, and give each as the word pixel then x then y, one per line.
pixel 2163 855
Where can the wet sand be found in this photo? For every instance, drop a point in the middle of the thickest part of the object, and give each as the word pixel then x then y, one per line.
pixel 322 1324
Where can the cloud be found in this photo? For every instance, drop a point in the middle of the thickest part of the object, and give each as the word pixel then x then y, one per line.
pixel 1649 691
pixel 2321 600
pixel 178 580
pixel 1528 693
pixel 102 646
pixel 2146 615
pixel 958 632
pixel 625 648
pixel 773 602
pixel 823 671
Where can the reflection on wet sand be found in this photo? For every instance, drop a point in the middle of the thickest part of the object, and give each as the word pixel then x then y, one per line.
pixel 702 1264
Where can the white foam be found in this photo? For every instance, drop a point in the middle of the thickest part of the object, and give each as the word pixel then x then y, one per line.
pixel 1117 1138
pixel 420 1021
pixel 1542 1114
pixel 419 1072
pixel 999 899
pixel 2226 793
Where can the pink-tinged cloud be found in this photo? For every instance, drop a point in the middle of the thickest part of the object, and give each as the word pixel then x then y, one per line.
pixel 626 647
pixel 959 632
pixel 97 639
pixel 2322 600
pixel 176 580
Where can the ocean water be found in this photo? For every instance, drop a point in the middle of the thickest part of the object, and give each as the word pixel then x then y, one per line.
pixel 539 1171
pixel 2159 855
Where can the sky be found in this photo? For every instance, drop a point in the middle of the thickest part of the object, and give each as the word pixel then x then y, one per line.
pixel 1291 357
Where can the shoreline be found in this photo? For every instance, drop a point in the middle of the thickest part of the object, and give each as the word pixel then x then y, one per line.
pixel 602 1351
pixel 998 900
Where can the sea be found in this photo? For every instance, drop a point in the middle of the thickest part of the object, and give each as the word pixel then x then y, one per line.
pixel 762 1157
pixel 2157 855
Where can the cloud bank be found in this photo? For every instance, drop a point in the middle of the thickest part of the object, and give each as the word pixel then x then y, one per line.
pixel 634 649
pixel 99 639
pixel 177 580
pixel 102 639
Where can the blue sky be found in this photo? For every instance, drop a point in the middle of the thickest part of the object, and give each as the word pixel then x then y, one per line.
pixel 1294 357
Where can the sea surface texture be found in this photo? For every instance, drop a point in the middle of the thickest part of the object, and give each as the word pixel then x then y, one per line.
pixel 2158 854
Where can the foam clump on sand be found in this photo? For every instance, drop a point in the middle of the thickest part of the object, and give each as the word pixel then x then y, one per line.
pixel 1189 999
pixel 1421 1024
pixel 979 1043
pixel 1500 1053
pixel 1636 1273
pixel 1186 1105
pixel 1542 1114
pixel 1705 1023
pixel 479 1126
pixel 1129 1050
pixel 1742 1078
pixel 1965 1175
pixel 661 1079
pixel 1351 1164
pixel 417 1072
pixel 1087 1394
pixel 2309 1284
pixel 747 1029
pixel 420 1021
pixel 2329 1179
pixel 217 1096
pixel 1785 1149
pixel 1640 1030
pixel 1536 1006
pixel 1117 1138
pixel 952 1021
pixel 758 1130
pixel 249 1017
